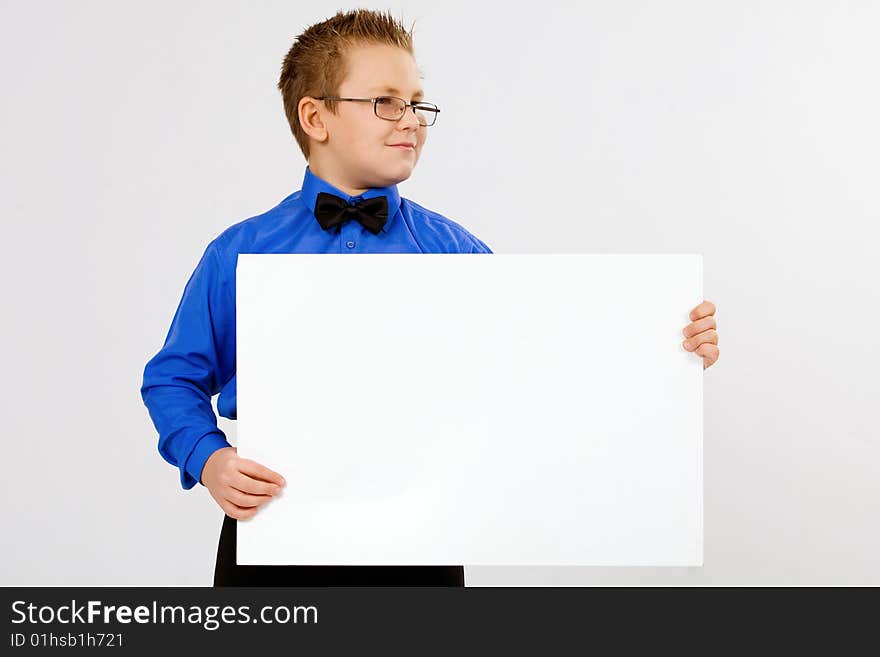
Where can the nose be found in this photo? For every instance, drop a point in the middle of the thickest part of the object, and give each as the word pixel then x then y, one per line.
pixel 409 118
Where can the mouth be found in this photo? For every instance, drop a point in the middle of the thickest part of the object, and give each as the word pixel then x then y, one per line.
pixel 405 146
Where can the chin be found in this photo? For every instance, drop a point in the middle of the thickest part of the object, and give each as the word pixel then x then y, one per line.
pixel 395 176
pixel 404 175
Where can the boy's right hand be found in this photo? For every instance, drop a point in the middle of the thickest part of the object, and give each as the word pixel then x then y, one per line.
pixel 240 486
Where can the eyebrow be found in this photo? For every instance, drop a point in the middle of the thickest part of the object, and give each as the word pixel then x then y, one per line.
pixel 418 94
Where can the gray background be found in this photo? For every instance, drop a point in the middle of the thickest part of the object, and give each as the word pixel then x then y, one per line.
pixel 133 133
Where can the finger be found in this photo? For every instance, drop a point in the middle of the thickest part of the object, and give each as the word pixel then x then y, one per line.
pixel 243 499
pixel 702 310
pixel 258 471
pixel 237 512
pixel 699 326
pixel 709 352
pixel 700 338
pixel 247 484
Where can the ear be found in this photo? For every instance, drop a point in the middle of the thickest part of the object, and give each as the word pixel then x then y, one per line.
pixel 310 119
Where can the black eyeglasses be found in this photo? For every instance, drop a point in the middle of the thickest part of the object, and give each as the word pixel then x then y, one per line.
pixel 391 108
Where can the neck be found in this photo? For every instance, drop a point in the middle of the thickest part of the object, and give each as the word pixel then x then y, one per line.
pixel 334 179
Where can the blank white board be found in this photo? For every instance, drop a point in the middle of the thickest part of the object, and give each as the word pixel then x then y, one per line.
pixel 478 409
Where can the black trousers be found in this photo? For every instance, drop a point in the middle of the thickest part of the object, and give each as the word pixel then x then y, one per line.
pixel 228 573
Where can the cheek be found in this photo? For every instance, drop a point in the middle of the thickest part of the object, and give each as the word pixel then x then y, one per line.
pixel 363 138
pixel 366 147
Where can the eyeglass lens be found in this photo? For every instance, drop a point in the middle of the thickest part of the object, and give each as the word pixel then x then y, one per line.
pixel 388 107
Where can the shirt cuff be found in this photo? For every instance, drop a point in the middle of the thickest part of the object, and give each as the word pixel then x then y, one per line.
pixel 191 474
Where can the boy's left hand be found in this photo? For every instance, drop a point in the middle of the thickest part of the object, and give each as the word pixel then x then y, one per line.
pixel 701 336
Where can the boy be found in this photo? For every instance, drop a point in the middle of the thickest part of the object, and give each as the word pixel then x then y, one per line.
pixel 351 93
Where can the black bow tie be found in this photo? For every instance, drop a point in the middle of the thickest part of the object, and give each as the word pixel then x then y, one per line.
pixel 331 210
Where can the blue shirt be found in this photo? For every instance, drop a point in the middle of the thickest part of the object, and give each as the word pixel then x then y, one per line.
pixel 197 359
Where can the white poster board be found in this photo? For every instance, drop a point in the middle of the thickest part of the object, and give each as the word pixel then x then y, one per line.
pixel 472 409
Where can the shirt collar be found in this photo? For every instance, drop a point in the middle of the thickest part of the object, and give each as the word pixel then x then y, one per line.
pixel 312 185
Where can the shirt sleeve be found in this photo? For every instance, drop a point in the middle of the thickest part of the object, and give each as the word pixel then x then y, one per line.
pixel 479 246
pixel 196 360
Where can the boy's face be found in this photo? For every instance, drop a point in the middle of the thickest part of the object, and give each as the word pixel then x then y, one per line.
pixel 358 150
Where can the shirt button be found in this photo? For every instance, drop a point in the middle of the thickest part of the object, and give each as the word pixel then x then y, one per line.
pixel 349 244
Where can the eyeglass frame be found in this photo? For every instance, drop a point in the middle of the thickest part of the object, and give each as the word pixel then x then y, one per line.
pixel 433 108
